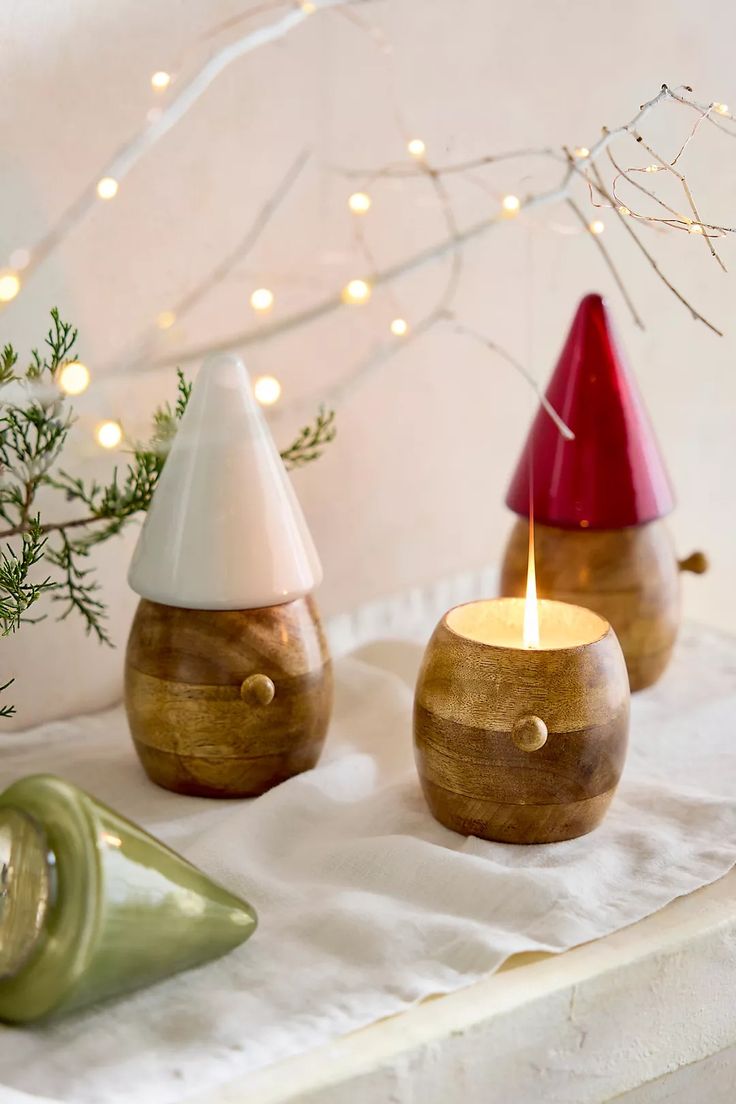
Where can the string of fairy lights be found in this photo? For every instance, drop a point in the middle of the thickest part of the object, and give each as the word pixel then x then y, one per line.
pixel 75 377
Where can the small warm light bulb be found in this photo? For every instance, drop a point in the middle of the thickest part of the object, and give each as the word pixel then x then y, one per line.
pixel 166 320
pixel 511 205
pixel 9 286
pixel 267 390
pixel 308 7
pixel 107 188
pixel 160 80
pixel 359 203
pixel 581 152
pixel 73 378
pixel 596 226
pixel 652 168
pixel 262 299
pixel 416 147
pixel 721 108
pixel 109 434
pixel 624 210
pixel 356 291
pixel 399 327
pixel 695 228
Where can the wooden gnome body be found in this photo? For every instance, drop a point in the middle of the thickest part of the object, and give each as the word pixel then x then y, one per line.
pixel 228 682
pixel 598 502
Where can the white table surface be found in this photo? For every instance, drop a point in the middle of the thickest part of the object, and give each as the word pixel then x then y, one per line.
pixel 646 1015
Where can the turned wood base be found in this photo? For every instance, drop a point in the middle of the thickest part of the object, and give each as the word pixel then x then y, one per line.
pixel 629 576
pixel 511 823
pixel 210 776
pixel 227 703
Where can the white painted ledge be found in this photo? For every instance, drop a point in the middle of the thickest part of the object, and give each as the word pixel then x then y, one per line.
pixel 638 1017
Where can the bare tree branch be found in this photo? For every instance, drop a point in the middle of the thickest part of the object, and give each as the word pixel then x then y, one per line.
pixel 609 262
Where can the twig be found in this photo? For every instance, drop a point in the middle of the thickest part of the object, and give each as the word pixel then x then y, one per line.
pixel 375 33
pixel 693 131
pixel 704 109
pixel 439 313
pixel 147 342
pixel 494 347
pixel 454 233
pixel 113 504
pixel 556 194
pixel 625 174
pixel 640 245
pixel 250 239
pixel 241 17
pixel 402 169
pixel 670 167
pixel 52 527
pixel 380 354
pixel 267 332
pixel 185 98
pixel 609 261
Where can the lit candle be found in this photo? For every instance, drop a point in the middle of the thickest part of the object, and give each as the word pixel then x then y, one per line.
pixel 502 623
pixel 521 719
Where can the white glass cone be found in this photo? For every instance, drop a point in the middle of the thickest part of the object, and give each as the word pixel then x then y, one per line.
pixel 225 529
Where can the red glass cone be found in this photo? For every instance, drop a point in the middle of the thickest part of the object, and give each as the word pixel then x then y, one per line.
pixel 612 475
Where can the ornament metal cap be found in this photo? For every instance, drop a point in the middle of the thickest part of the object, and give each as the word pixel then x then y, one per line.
pixel 612 474
pixel 225 529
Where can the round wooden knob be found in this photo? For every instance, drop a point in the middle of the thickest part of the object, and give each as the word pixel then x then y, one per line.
pixel 258 690
pixel 697 562
pixel 529 733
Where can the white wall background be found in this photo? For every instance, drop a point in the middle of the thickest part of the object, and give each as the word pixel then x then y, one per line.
pixel 413 487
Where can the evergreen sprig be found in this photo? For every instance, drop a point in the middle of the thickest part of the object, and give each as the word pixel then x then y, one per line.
pixel 311 441
pixel 34 426
pixel 78 589
pixel 17 592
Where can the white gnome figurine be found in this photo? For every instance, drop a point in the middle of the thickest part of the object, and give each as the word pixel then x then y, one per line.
pixel 228 681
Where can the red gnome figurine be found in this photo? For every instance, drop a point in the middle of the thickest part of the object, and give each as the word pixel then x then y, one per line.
pixel 598 502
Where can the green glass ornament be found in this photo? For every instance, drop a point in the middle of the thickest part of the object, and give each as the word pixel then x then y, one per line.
pixel 92 906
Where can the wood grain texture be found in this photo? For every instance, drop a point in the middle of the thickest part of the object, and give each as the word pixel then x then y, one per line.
pixel 227 703
pixel 470 698
pixel 629 576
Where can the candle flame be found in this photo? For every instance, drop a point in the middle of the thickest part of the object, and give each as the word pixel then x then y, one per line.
pixel 531 609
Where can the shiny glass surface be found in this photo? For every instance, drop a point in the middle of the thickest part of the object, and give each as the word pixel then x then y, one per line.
pixel 126 910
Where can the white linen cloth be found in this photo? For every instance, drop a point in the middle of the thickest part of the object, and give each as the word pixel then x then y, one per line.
pixel 366 904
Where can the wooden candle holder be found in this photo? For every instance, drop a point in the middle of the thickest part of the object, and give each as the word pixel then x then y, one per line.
pixel 629 576
pixel 515 744
pixel 227 703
